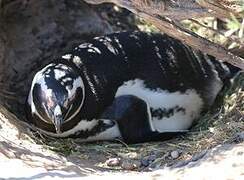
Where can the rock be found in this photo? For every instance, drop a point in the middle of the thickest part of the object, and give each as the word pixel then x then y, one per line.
pixel 130 165
pixel 152 157
pixel 112 162
pixel 145 162
pixel 240 137
pixel 132 155
pixel 175 154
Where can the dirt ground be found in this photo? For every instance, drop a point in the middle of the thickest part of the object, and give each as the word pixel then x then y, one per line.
pixel 213 145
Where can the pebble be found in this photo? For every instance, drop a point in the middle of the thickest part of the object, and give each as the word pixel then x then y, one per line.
pixel 112 162
pixel 175 154
pixel 132 155
pixel 152 157
pixel 145 162
pixel 240 137
pixel 130 165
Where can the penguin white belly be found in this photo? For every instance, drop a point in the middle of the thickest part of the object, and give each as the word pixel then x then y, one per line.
pixel 169 111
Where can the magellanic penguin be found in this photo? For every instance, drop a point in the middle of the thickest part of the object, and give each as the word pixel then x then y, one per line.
pixel 131 85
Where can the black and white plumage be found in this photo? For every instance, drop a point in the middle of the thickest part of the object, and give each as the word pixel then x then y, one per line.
pixel 130 85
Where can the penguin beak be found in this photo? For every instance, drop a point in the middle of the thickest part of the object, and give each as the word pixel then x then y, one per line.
pixel 58 121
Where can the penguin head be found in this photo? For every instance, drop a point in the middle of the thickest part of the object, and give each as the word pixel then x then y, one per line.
pixel 56 96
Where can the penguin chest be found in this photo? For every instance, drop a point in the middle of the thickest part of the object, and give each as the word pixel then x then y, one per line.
pixel 167 111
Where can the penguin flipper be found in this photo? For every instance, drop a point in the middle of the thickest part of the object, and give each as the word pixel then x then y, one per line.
pixel 133 117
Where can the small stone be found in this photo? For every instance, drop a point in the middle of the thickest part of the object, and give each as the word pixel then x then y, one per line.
pixel 145 162
pixel 137 164
pixel 240 153
pixel 175 154
pixel 211 129
pixel 240 137
pixel 112 162
pixel 132 155
pixel 152 157
pixel 130 165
